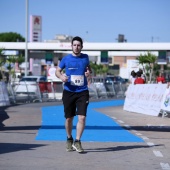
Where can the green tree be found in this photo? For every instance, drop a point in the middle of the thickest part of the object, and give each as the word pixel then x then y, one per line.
pixel 148 62
pixel 11 37
pixel 99 68
pixel 10 62
pixel 19 60
pixel 93 67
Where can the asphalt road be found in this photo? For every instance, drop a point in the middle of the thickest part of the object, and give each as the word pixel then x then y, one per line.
pixel 20 151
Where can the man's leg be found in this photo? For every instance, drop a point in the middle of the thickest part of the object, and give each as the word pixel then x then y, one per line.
pixel 68 127
pixel 81 103
pixel 80 126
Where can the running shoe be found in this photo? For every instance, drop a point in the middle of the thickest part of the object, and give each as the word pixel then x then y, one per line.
pixel 77 146
pixel 69 144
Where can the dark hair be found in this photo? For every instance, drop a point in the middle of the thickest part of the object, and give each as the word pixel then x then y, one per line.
pixel 138 74
pixel 140 70
pixel 77 39
pixel 133 74
pixel 132 71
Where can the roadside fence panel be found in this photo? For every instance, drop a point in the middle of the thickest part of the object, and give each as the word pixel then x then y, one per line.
pixel 120 89
pixel 34 92
pixel 23 92
pixel 51 90
pixel 92 91
pixel 110 89
pixel 101 90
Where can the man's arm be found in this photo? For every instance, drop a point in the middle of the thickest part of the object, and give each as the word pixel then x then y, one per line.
pixel 61 76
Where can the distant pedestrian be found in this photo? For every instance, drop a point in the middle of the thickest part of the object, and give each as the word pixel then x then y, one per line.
pixel 160 79
pixel 139 80
pixel 132 77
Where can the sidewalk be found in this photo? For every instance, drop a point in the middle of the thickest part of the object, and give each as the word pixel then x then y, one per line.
pixel 20 151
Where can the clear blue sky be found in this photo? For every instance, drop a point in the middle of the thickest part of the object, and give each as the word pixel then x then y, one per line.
pixel 93 20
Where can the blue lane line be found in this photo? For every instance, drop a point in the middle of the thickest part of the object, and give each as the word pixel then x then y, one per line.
pixel 99 127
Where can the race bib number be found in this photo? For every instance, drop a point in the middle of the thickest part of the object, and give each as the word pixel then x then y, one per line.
pixel 77 80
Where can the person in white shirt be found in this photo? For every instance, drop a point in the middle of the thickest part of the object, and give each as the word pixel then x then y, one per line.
pixel 132 77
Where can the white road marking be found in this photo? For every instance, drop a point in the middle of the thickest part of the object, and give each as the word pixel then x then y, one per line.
pixel 165 166
pixel 120 121
pixel 150 144
pixel 127 126
pixel 162 126
pixel 157 153
pixel 149 125
pixel 134 131
pixel 144 137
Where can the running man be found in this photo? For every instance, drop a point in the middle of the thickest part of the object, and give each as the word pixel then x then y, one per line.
pixel 75 94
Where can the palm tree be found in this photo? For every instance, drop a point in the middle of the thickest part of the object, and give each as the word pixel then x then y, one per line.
pixel 20 59
pixel 99 68
pixel 11 60
pixel 93 67
pixel 147 61
pixel 151 62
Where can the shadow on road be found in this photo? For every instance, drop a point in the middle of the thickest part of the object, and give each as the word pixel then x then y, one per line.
pixel 118 148
pixel 3 115
pixel 14 147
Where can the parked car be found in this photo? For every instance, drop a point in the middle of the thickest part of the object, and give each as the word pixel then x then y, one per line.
pixel 115 79
pixel 116 84
pixel 28 85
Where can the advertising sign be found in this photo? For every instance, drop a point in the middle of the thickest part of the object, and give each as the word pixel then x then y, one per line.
pixel 104 57
pixel 35 28
pixel 162 57
pixel 49 58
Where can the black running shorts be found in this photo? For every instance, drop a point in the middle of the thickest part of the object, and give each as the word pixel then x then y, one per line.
pixel 75 103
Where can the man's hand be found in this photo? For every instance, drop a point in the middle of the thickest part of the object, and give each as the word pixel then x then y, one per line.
pixel 88 72
pixel 64 78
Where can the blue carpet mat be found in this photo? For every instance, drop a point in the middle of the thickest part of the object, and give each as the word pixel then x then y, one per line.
pixel 99 127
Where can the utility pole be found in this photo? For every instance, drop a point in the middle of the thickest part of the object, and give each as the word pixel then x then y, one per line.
pixel 26 37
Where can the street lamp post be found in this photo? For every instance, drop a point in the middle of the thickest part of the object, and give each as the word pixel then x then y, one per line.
pixel 26 37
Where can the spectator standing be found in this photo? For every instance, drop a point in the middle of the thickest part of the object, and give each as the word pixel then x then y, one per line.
pixel 139 80
pixel 160 79
pixel 132 77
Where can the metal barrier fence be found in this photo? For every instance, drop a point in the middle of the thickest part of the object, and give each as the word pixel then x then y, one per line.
pixel 34 92
pixel 107 90
pixel 52 91
pixel 98 88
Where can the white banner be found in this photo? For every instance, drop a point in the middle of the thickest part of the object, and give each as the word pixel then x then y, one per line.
pixel 165 104
pixel 145 98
